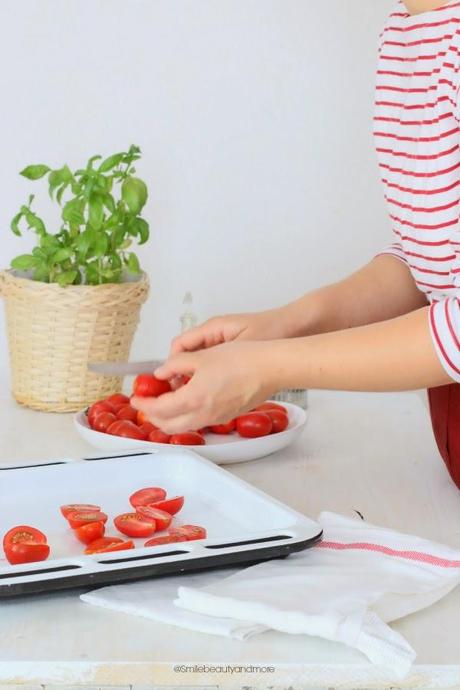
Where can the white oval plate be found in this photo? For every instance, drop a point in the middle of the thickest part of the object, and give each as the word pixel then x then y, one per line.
pixel 223 450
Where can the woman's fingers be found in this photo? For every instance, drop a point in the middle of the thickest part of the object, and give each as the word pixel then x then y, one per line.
pixel 183 364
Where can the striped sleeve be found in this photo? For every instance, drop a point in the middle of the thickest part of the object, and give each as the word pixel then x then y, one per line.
pixel 395 250
pixel 445 331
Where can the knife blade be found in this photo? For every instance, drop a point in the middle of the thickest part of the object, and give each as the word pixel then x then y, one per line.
pixel 125 368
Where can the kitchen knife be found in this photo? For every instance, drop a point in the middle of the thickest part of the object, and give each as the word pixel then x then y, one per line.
pixel 125 368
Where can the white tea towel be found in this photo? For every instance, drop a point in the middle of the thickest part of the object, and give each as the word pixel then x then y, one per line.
pixel 154 599
pixel 345 589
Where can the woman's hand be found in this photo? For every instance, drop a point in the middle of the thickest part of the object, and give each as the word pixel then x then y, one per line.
pixel 227 380
pixel 265 325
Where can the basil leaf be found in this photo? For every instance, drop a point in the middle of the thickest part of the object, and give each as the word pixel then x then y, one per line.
pixel 66 278
pixel 133 263
pixel 100 245
pixel 141 228
pixel 34 172
pixel 73 212
pixel 96 211
pixel 23 262
pixel 14 225
pixel 111 162
pixel 62 255
pixel 134 194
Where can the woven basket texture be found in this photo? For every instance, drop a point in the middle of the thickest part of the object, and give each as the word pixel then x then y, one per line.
pixel 53 333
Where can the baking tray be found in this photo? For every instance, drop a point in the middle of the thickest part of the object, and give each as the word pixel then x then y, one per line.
pixel 244 524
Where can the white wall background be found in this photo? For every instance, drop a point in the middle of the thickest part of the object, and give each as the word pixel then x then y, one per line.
pixel 254 118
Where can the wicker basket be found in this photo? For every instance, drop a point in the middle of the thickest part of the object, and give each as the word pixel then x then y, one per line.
pixel 54 332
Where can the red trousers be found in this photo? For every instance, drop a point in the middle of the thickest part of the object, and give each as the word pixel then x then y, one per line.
pixel 445 418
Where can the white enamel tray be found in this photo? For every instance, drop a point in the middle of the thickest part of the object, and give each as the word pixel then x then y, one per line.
pixel 243 524
pixel 223 450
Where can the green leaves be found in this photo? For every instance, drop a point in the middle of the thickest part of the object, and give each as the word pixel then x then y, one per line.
pixel 101 217
pixel 34 172
pixel 134 194
pixel 24 262
pixel 111 162
pixel 133 263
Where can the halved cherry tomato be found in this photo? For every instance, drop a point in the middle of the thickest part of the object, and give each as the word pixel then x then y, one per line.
pixel 103 420
pixel 150 494
pixel 146 428
pixel 224 428
pixel 158 436
pixel 118 399
pixel 79 508
pixel 133 525
pixel 108 544
pixel 270 406
pixel 96 408
pixel 254 424
pixel 189 532
pixel 77 519
pixel 165 539
pixel 126 429
pixel 148 386
pixel 127 412
pixel 26 553
pixel 24 534
pixel 161 517
pixel 169 505
pixel 280 420
pixel 24 544
pixel 188 438
pixel 88 533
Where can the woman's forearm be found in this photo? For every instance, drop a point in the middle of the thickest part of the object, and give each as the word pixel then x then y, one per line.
pixel 384 289
pixel 397 354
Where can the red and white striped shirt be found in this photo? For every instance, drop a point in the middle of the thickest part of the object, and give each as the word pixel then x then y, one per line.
pixel 417 136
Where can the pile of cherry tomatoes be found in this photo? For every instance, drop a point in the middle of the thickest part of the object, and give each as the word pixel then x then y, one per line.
pixel 114 415
pixel 153 512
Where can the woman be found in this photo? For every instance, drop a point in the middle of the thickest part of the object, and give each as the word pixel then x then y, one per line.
pixel 395 324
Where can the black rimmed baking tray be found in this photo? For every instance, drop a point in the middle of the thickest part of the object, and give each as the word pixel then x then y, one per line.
pixel 244 525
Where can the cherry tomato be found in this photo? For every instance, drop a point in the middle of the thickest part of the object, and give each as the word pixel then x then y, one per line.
pixel 142 418
pixel 146 428
pixel 118 399
pixel 189 532
pixel 148 386
pixel 161 517
pixel 270 406
pixel 77 519
pixel 164 539
pixel 103 420
pixel 133 525
pixel 204 430
pixel 89 533
pixel 280 420
pixel 26 553
pixel 23 534
pixel 127 412
pixel 79 508
pixel 254 424
pixel 224 428
pixel 24 544
pixel 169 505
pixel 188 438
pixel 96 408
pixel 108 544
pixel 151 494
pixel 126 429
pixel 158 436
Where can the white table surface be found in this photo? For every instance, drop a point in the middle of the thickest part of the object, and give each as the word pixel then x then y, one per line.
pixel 368 452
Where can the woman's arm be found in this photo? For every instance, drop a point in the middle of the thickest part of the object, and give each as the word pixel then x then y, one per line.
pixel 381 290
pixel 397 354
